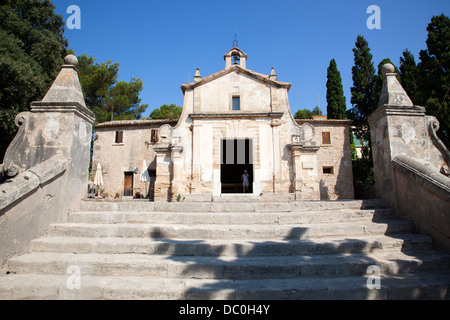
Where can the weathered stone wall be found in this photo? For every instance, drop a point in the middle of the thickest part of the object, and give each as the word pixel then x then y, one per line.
pixel 397 131
pixel 337 156
pixel 407 164
pixel 117 158
pixel 423 195
pixel 29 204
pixel 45 170
pixel 399 128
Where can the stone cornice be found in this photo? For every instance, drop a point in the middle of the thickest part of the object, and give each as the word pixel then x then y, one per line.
pixel 324 121
pixel 237 115
pixel 304 148
pixel 75 107
pixel 390 110
pixel 133 123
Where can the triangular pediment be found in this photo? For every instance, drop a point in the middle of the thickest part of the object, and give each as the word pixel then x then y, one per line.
pixel 235 68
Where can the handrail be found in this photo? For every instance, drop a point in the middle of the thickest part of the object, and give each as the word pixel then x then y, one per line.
pixel 25 182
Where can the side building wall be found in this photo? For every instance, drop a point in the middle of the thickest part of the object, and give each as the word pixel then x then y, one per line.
pixel 126 155
pixel 334 158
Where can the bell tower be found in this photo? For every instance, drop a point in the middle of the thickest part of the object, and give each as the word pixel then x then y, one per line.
pixel 235 57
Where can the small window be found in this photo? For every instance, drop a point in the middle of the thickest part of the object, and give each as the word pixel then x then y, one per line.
pixel 328 170
pixel 154 135
pixel 326 138
pixel 236 103
pixel 119 136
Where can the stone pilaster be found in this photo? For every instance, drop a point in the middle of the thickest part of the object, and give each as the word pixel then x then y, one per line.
pixel 399 128
pixel 177 164
pixel 163 183
pixel 196 157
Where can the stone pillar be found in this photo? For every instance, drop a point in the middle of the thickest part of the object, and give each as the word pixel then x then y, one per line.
pixel 177 164
pixel 306 174
pixel 163 181
pixel 59 125
pixel 45 169
pixel 196 157
pixel 277 177
pixel 399 128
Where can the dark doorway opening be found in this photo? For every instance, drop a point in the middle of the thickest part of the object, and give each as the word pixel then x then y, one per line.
pixel 151 188
pixel 128 184
pixel 236 157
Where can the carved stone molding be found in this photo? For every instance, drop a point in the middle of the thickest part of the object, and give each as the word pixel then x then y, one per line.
pixel 433 127
pixel 10 169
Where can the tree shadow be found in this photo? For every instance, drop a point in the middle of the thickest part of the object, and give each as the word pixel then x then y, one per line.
pixel 220 269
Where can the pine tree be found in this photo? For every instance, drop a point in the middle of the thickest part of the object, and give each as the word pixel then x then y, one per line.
pixel 165 111
pixel 32 48
pixel 336 106
pixel 108 98
pixel 308 114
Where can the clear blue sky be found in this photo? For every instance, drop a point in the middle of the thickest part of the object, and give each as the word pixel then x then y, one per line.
pixel 163 42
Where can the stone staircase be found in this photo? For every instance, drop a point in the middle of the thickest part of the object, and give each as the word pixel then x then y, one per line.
pixel 229 250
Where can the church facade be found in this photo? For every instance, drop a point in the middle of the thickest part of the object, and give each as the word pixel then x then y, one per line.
pixel 234 121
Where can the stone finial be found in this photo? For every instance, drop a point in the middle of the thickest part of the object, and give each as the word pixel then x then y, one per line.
pixel 393 93
pixel 66 88
pixel 71 60
pixel 273 74
pixel 387 68
pixel 197 76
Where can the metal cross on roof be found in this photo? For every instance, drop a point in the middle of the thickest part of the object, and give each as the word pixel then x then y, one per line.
pixel 235 42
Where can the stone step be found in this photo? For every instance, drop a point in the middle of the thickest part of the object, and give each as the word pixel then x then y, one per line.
pixel 221 206
pixel 55 287
pixel 307 217
pixel 201 232
pixel 167 266
pixel 233 248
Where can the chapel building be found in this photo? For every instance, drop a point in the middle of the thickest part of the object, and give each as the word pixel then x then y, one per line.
pixel 233 121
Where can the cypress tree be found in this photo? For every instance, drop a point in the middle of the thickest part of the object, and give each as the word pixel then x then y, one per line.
pixel 336 106
pixel 364 103
pixel 363 90
pixel 409 73
pixel 434 71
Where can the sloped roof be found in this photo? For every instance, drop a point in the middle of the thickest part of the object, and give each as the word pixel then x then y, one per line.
pixel 132 123
pixel 239 69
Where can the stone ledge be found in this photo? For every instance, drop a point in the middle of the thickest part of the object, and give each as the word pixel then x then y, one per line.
pixel 237 115
pixel 14 189
pixel 391 110
pixel 64 107
pixel 429 178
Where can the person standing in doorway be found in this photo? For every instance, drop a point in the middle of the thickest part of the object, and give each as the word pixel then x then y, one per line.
pixel 245 181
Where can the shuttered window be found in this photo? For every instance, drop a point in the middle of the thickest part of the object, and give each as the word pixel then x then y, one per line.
pixel 326 138
pixel 154 135
pixel 119 137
